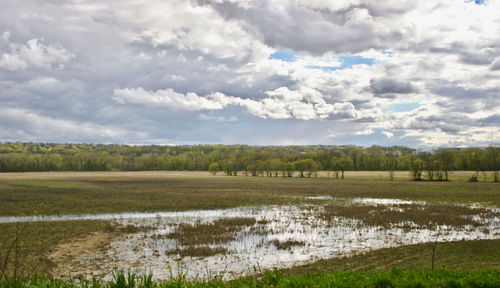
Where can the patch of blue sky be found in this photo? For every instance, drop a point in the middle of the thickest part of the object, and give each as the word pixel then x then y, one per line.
pixel 347 62
pixel 479 2
pixel 403 107
pixel 287 55
pixel 388 53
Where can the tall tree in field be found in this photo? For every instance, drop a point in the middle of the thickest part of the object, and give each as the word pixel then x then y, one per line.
pixel 416 168
pixel 390 163
pixel 311 167
pixel 300 166
pixel 492 161
pixel 213 168
pixel 344 163
pixel 276 165
pixel 290 168
pixel 228 168
pixel 445 158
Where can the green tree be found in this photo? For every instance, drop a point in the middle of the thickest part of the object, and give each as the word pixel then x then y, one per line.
pixel 54 162
pixel 416 168
pixel 492 161
pixel 300 166
pixel 390 164
pixel 445 158
pixel 228 168
pixel 213 168
pixel 290 168
pixel 343 164
pixel 311 167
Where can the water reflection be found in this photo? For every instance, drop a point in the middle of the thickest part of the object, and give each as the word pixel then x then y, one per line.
pixel 254 247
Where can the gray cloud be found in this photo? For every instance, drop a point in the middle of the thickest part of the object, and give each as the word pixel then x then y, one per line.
pixel 350 29
pixel 390 86
pixel 477 53
pixel 495 65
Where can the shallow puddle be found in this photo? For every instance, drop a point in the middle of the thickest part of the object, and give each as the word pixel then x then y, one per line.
pixel 280 236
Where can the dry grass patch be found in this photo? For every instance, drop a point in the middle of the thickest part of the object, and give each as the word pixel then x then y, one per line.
pixel 425 216
pixel 286 245
pixel 196 251
pixel 217 232
pixel 136 192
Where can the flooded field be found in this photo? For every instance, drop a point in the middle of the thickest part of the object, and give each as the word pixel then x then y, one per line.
pixel 241 241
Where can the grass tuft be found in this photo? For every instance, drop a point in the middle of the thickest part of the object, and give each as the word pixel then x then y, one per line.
pixel 395 278
pixel 218 232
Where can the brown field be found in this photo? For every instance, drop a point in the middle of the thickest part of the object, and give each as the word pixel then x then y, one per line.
pixel 197 174
pixel 104 174
pixel 59 193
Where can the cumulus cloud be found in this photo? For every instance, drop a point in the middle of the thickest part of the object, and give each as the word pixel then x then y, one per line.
pixel 34 53
pixel 170 98
pixel 323 27
pixel 282 103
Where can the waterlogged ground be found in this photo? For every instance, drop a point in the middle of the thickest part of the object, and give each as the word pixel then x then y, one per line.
pixel 240 241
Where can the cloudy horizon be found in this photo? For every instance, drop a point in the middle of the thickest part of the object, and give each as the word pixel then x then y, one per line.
pixel 295 72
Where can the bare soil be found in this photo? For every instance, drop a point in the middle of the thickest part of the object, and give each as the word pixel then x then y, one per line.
pixel 67 252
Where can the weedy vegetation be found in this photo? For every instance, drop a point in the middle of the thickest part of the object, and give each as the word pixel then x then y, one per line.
pixel 426 216
pixel 89 194
pixel 286 245
pixel 217 232
pixel 395 278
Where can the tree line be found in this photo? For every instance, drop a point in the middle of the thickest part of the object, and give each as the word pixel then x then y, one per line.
pixel 270 161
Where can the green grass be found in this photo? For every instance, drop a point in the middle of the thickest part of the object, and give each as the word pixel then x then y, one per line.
pixel 456 255
pixel 120 194
pixel 393 278
pixel 41 183
pixel 37 240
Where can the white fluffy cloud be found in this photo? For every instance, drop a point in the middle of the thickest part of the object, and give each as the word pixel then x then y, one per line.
pixel 282 103
pixel 34 53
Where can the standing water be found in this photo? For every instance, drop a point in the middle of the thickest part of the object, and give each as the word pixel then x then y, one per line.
pixel 241 241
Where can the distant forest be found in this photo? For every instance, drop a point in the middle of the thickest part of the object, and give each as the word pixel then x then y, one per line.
pixel 270 161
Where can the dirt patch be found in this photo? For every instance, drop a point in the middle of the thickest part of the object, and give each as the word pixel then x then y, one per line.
pixel 64 254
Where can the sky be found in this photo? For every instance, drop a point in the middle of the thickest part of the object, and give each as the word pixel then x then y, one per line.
pixel 290 72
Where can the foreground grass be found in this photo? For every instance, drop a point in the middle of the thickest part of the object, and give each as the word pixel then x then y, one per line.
pixel 457 255
pixel 35 241
pixel 88 194
pixel 393 278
